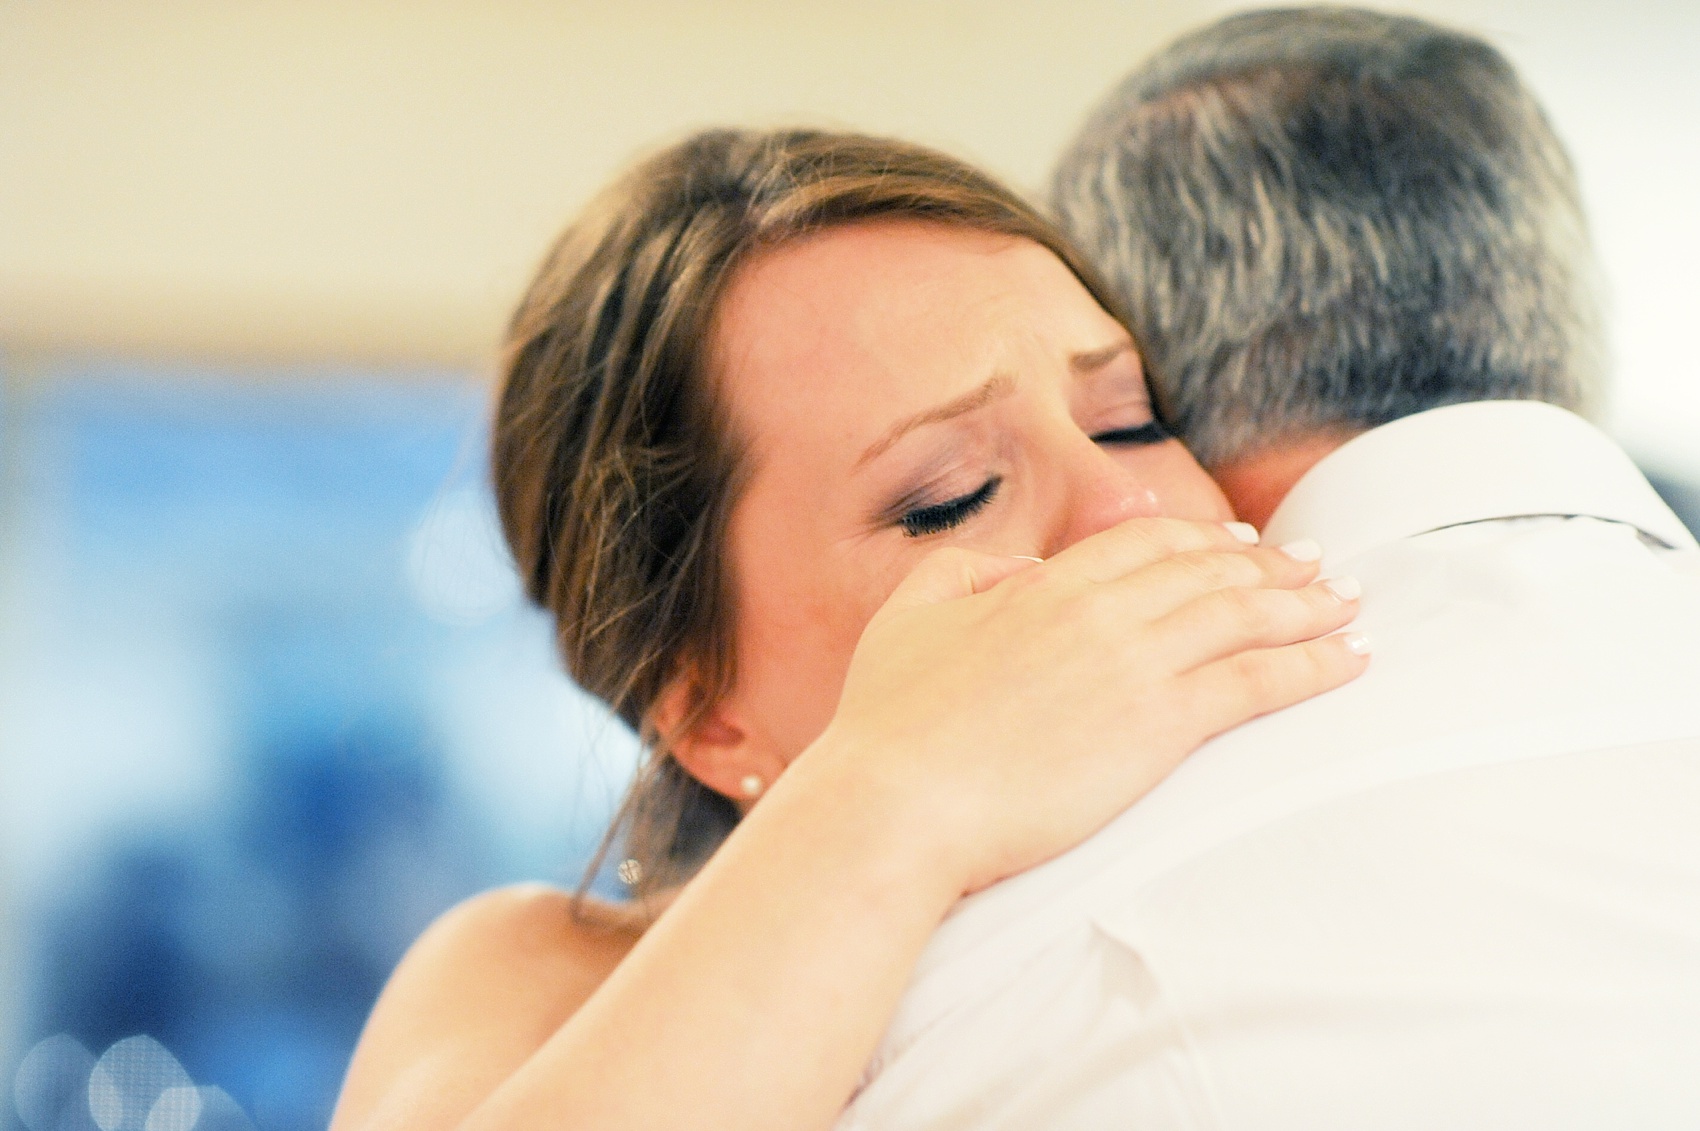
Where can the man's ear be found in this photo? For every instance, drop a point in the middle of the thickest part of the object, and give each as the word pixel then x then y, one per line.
pixel 712 743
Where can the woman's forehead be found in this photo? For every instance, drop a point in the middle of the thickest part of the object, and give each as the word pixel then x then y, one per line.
pixel 884 316
pixel 872 280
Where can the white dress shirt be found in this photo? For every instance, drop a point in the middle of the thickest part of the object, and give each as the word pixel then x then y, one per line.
pixel 1463 891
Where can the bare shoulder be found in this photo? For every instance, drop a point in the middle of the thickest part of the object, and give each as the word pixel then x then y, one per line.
pixel 532 925
pixel 479 992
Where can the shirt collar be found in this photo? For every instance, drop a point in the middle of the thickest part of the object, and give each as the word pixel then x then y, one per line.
pixel 1468 463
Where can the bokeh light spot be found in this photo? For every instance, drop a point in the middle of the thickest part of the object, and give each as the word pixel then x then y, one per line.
pixel 177 1109
pixel 51 1079
pixel 129 1080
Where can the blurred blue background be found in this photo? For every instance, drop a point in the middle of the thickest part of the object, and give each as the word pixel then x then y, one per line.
pixel 270 702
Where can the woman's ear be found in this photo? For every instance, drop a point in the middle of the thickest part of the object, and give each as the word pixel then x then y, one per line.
pixel 712 743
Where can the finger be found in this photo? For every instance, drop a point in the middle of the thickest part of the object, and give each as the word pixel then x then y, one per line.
pixel 1227 621
pixel 1241 687
pixel 947 574
pixel 1139 542
pixel 1165 586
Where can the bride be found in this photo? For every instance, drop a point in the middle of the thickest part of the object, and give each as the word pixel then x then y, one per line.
pixel 842 482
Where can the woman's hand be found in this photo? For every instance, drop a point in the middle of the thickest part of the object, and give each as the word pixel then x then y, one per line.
pixel 1020 706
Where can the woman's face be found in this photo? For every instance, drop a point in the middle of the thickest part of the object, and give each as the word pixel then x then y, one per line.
pixel 899 387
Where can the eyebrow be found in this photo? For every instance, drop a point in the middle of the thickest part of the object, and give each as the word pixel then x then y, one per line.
pixel 1097 359
pixel 999 386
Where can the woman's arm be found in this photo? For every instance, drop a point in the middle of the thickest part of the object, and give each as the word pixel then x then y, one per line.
pixel 781 951
pixel 984 727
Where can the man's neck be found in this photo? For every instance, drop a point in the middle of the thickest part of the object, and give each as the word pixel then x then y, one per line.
pixel 1257 482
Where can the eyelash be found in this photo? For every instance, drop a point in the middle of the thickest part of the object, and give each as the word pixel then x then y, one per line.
pixel 922 521
pixel 948 515
pixel 1151 433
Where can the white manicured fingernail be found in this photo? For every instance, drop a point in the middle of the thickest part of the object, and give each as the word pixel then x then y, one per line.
pixel 1357 643
pixel 1244 531
pixel 1028 558
pixel 1346 587
pixel 1304 550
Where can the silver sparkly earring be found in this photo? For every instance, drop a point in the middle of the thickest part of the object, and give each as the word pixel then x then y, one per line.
pixel 752 785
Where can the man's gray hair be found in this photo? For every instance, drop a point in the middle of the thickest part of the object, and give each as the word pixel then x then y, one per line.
pixel 1325 219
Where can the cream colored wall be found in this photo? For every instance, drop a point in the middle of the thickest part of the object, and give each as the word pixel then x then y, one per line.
pixel 305 179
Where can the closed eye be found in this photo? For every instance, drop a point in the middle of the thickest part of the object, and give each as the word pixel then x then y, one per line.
pixel 921 521
pixel 1152 433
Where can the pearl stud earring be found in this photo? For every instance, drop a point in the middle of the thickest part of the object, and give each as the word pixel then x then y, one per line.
pixel 752 785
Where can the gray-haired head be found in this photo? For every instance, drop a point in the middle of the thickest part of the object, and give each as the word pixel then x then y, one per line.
pixel 1324 219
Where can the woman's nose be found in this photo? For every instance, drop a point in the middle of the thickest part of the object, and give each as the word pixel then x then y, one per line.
pixel 1101 492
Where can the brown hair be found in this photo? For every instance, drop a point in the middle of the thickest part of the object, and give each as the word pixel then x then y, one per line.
pixel 615 469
